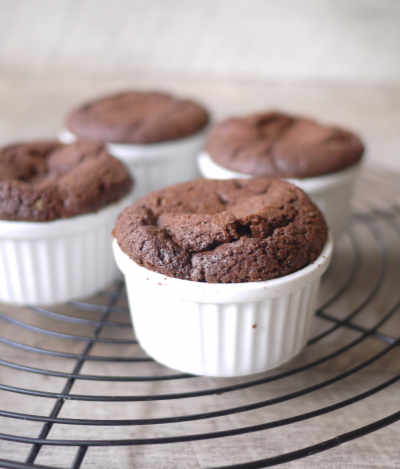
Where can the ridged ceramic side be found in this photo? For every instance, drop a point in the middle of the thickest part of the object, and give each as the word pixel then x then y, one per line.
pixel 156 165
pixel 56 261
pixel 222 330
pixel 331 193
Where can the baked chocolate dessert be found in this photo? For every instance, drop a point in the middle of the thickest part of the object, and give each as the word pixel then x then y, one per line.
pixel 43 181
pixel 223 231
pixel 137 117
pixel 275 144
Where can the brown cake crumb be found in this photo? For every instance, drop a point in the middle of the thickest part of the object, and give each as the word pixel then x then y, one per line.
pixel 275 144
pixel 137 117
pixel 223 231
pixel 43 181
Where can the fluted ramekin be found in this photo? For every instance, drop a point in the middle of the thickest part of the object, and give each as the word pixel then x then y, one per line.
pixel 56 261
pixel 331 193
pixel 222 330
pixel 156 165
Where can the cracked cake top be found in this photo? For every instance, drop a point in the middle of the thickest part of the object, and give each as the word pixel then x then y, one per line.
pixel 275 144
pixel 223 231
pixel 43 181
pixel 137 118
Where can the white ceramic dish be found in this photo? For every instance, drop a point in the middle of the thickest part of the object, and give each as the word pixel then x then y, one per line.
pixel 222 330
pixel 331 193
pixel 56 261
pixel 156 165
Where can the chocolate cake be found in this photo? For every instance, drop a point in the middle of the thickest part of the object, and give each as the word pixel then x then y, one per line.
pixel 275 144
pixel 43 181
pixel 223 231
pixel 137 118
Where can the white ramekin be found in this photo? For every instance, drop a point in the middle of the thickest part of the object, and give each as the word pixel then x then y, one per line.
pixel 222 330
pixel 56 261
pixel 156 165
pixel 331 193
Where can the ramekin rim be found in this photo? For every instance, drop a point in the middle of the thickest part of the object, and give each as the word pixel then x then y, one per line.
pixel 315 269
pixel 322 179
pixel 8 227
pixel 142 146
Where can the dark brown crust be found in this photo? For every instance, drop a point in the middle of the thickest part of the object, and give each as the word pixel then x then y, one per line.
pixel 43 181
pixel 223 231
pixel 137 117
pixel 275 144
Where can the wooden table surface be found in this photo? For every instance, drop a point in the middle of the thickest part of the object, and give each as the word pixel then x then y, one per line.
pixel 367 260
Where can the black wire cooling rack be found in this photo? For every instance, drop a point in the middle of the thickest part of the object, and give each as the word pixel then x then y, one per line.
pixel 77 391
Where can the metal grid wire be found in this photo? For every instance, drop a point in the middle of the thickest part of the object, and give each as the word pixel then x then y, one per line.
pixel 97 336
